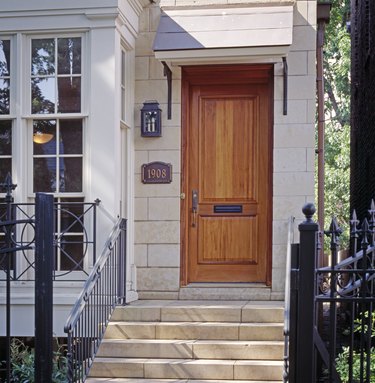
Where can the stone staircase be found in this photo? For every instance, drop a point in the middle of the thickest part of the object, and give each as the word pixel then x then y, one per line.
pixel 192 341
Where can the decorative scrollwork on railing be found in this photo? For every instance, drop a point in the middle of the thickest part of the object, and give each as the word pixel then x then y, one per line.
pixel 323 283
pixel 74 234
pixel 349 278
pixel 75 237
pixel 18 235
pixel 334 304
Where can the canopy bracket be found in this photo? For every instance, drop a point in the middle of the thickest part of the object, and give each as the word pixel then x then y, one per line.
pixel 285 90
pixel 168 73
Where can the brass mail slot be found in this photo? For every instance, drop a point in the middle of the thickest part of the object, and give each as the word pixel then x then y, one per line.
pixel 228 209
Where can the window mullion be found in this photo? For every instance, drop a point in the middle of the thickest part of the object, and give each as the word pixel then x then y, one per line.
pixel 56 76
pixel 58 156
pixel 58 235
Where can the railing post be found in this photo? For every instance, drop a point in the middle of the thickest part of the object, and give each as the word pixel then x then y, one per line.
pixel 44 259
pixel 305 353
pixel 7 187
pixel 122 270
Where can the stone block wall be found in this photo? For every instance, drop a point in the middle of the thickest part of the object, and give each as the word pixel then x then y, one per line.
pixel 294 142
pixel 157 207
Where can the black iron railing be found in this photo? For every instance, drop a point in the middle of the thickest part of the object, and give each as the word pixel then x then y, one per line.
pixel 39 248
pixel 104 289
pixel 287 298
pixel 332 337
pixel 74 238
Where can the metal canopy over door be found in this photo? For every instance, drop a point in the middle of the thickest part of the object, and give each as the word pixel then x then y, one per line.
pixel 226 215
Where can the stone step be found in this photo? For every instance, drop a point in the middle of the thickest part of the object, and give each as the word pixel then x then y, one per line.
pixel 195 349
pixel 228 291
pixel 141 380
pixel 193 311
pixel 194 330
pixel 187 369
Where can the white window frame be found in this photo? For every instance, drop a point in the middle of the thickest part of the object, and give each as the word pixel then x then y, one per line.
pixel 54 36
pixel 80 194
pixel 12 77
pixel 57 116
pixel 8 156
pixel 126 88
pixel 12 98
pixel 31 117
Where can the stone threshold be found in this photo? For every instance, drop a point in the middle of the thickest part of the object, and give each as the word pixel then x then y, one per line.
pixel 216 291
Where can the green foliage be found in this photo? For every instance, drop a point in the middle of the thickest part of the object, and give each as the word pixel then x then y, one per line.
pixel 337 64
pixel 342 365
pixel 337 118
pixel 22 364
pixel 342 360
pixel 363 317
pixel 337 178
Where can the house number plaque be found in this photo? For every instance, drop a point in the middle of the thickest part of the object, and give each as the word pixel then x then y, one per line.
pixel 157 173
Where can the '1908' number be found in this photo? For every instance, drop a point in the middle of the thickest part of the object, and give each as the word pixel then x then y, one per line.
pixel 157 173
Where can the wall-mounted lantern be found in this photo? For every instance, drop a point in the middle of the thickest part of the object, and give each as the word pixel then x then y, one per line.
pixel 151 119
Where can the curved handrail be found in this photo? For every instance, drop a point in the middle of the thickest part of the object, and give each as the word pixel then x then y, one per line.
pixel 93 276
pixel 89 317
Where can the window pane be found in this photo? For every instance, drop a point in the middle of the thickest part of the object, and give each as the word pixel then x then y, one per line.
pixel 72 215
pixel 5 168
pixel 4 257
pixel 70 175
pixel 44 175
pixel 5 138
pixel 42 57
pixel 4 96
pixel 43 95
pixel 44 137
pixel 4 57
pixel 71 252
pixel 69 94
pixel 71 137
pixel 69 56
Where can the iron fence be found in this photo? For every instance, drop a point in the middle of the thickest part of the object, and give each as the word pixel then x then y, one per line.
pixel 48 240
pixel 43 224
pixel 104 289
pixel 332 332
pixel 74 239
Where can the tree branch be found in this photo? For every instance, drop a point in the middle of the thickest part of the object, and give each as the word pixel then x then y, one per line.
pixel 341 119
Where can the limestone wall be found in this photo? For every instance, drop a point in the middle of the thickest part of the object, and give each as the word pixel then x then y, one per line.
pixel 157 207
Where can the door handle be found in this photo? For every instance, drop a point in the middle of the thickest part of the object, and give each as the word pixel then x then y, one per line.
pixel 194 207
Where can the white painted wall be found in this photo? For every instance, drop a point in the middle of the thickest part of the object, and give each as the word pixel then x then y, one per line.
pixel 108 158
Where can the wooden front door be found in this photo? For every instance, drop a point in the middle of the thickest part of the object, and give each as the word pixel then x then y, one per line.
pixel 226 214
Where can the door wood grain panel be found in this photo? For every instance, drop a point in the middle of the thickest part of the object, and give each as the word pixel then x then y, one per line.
pixel 227 157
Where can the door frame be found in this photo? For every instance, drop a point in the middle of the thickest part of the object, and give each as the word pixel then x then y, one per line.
pixel 221 74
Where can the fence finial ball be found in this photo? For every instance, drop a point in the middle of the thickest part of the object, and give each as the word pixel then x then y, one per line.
pixel 309 210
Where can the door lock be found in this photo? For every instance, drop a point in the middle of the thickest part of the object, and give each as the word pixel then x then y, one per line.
pixel 194 207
